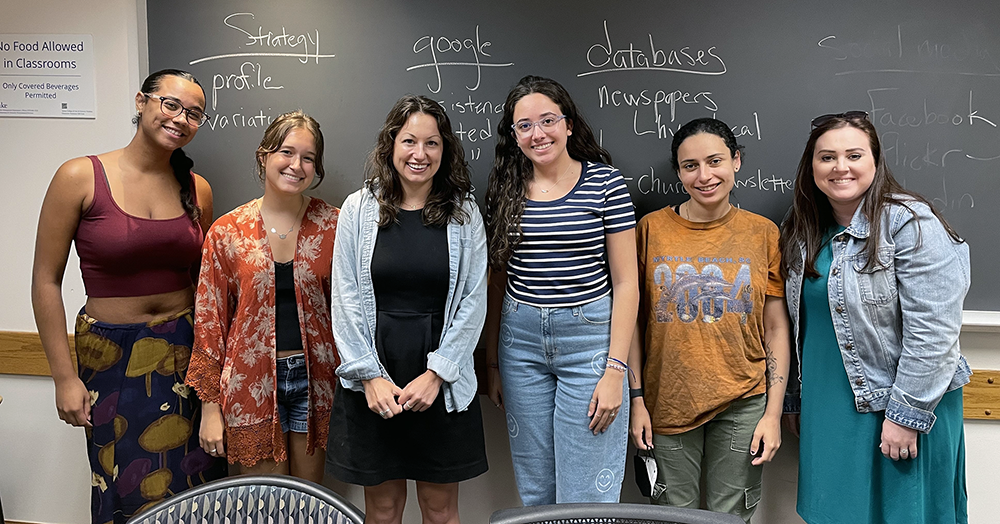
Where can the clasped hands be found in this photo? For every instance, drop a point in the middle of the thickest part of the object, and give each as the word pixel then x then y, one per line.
pixel 388 400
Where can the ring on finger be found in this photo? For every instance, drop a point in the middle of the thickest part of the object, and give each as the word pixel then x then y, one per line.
pixel 384 413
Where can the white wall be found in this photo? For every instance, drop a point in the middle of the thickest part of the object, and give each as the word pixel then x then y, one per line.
pixel 44 476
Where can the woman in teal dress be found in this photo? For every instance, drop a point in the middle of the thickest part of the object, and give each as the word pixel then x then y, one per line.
pixel 875 280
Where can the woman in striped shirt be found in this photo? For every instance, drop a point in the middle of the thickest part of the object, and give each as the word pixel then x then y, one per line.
pixel 563 298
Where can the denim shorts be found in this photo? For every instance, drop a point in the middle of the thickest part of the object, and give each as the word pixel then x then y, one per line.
pixel 293 393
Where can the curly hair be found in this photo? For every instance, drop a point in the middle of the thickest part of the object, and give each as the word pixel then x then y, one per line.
pixel 279 130
pixel 811 215
pixel 451 185
pixel 513 171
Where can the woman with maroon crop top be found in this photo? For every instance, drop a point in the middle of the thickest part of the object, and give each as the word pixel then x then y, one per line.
pixel 137 216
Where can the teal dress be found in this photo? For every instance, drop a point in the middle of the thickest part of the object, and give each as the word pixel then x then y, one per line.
pixel 843 477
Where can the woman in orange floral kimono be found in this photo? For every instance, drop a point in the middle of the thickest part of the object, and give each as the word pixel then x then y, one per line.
pixel 263 360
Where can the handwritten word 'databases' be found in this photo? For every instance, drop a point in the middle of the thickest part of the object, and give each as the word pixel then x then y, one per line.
pixel 606 58
pixel 439 47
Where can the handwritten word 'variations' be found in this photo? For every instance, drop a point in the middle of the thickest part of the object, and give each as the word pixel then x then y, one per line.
pixel 439 47
pixel 605 57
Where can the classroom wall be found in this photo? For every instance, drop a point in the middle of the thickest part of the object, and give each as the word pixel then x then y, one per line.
pixel 44 476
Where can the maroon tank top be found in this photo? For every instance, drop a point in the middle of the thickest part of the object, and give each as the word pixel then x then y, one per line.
pixel 127 256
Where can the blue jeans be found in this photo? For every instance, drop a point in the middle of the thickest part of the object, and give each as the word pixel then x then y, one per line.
pixel 550 362
pixel 293 393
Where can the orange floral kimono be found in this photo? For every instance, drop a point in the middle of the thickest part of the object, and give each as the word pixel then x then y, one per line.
pixel 233 358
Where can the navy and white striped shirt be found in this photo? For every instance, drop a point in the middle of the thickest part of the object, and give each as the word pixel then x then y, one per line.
pixel 561 260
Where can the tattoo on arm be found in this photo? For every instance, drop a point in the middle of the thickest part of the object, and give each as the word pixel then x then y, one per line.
pixel 772 367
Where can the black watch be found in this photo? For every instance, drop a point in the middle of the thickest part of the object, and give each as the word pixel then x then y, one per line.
pixel 634 392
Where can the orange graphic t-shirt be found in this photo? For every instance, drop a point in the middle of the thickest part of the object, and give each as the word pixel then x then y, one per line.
pixel 702 303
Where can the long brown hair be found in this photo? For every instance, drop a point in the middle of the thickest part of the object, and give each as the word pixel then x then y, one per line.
pixel 451 184
pixel 512 170
pixel 811 216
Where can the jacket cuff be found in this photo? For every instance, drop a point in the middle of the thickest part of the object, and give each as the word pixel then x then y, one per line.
pixel 446 369
pixel 364 368
pixel 909 416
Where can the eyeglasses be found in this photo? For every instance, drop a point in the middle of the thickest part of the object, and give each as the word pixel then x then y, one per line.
pixel 524 128
pixel 172 107
pixel 850 115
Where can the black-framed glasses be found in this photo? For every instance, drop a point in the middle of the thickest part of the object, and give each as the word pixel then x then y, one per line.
pixel 850 115
pixel 525 127
pixel 173 107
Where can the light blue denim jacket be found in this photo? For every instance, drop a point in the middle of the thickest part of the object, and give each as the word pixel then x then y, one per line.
pixel 897 327
pixel 353 300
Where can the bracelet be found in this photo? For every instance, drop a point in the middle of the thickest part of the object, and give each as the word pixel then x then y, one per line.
pixel 614 363
pixel 634 392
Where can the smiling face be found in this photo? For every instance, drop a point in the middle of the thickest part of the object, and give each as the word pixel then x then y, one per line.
pixel 417 152
pixel 292 167
pixel 542 145
pixel 170 132
pixel 843 167
pixel 707 169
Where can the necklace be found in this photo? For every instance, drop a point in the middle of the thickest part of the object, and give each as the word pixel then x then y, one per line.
pixel 557 180
pixel 686 215
pixel 275 231
pixel 413 207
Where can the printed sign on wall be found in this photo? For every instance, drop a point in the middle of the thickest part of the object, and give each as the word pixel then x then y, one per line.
pixel 47 76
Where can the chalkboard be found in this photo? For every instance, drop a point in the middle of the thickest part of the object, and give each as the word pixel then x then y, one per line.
pixel 927 72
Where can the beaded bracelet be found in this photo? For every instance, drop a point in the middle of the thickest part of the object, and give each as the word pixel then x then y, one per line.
pixel 614 363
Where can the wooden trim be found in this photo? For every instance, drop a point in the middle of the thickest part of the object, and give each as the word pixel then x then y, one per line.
pixel 21 353
pixel 981 395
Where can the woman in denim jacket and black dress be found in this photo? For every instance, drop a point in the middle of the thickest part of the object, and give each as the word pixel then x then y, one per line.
pixel 409 301
pixel 875 283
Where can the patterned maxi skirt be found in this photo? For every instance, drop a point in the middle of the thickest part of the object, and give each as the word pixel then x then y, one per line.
pixel 143 446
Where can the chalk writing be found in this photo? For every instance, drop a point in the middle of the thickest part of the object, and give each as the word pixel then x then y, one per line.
pixel 248 77
pixel 604 57
pixel 927 116
pixel 272 40
pixel 436 45
pixel 895 46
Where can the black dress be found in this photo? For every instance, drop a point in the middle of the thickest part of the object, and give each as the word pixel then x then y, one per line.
pixel 410 274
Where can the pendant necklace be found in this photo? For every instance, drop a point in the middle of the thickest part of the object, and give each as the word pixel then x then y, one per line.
pixel 275 231
pixel 557 180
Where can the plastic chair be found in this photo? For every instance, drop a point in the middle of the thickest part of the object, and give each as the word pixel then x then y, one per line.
pixel 610 514
pixel 254 498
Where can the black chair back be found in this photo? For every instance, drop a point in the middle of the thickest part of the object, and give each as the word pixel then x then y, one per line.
pixel 254 498
pixel 610 514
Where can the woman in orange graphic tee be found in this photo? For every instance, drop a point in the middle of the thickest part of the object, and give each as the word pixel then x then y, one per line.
pixel 264 358
pixel 713 333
